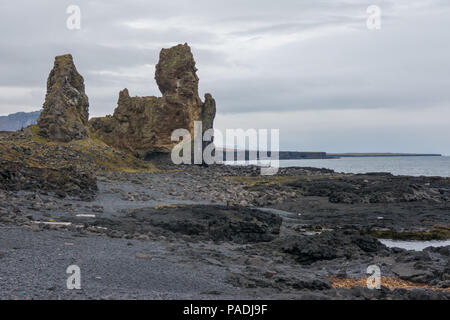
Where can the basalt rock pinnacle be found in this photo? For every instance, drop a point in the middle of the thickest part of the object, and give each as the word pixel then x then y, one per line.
pixel 66 108
pixel 143 125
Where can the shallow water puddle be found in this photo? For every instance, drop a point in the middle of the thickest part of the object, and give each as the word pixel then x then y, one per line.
pixel 53 223
pixel 415 245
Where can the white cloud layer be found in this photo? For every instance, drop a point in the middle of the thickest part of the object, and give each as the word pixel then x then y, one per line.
pixel 312 68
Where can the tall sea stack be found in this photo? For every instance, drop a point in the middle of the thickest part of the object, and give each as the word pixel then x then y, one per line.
pixel 143 125
pixel 65 112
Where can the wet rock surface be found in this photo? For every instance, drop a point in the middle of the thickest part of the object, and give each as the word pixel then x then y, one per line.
pixel 376 188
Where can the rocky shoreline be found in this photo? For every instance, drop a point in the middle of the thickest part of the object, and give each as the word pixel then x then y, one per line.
pixel 101 193
pixel 302 234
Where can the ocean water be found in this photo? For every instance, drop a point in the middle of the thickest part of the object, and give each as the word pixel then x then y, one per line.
pixel 414 245
pixel 411 166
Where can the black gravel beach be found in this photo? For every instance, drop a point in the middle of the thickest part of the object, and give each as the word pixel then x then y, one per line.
pixel 225 232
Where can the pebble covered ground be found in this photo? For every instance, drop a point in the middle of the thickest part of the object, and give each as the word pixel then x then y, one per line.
pixel 133 240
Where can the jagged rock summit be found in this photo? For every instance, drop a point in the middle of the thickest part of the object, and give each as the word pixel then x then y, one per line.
pixel 65 112
pixel 143 125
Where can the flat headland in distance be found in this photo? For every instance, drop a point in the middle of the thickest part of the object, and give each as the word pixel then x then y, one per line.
pixel 229 154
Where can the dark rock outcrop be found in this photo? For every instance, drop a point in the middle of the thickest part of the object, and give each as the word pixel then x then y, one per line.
pixel 143 125
pixel 196 222
pixel 238 224
pixel 65 112
pixel 430 266
pixel 64 181
pixel 329 246
pixel 376 188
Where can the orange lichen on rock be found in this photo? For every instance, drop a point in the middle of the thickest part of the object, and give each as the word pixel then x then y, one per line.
pixel 389 282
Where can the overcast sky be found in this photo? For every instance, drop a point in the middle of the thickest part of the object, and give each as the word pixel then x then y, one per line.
pixel 310 68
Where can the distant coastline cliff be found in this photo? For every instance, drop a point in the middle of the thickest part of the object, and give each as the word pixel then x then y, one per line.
pixel 19 120
pixel 298 155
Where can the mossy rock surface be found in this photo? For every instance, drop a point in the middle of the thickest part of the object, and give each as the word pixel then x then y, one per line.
pixel 144 125
pixel 65 111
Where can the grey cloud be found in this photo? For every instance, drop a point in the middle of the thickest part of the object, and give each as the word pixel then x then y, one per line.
pixel 253 56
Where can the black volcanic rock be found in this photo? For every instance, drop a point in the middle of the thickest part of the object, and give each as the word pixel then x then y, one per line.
pixel 195 222
pixel 375 188
pixel 64 181
pixel 329 246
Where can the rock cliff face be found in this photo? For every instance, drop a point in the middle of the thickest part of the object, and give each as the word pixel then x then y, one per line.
pixel 66 108
pixel 143 125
